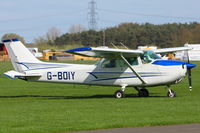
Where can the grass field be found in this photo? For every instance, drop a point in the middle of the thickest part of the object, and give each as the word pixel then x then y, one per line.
pixel 32 107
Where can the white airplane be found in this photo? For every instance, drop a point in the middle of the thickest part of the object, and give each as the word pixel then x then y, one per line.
pixel 118 67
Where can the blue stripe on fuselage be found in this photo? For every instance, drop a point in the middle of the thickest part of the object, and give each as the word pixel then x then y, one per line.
pixel 115 78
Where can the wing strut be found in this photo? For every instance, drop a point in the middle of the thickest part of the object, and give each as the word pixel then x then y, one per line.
pixel 124 59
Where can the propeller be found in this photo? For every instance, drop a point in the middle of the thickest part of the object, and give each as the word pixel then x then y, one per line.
pixel 189 72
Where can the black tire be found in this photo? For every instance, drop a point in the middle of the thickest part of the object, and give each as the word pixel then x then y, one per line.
pixel 172 94
pixel 119 94
pixel 143 93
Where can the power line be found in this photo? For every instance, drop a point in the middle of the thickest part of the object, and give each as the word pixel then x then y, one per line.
pixel 29 18
pixel 148 15
pixel 92 24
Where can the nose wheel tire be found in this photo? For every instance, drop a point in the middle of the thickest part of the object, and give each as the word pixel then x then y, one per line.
pixel 119 94
pixel 143 93
pixel 171 93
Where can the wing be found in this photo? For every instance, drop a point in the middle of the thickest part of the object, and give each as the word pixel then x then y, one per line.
pixel 104 52
pixel 168 50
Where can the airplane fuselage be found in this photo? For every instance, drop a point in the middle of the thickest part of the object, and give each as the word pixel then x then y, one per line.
pixel 96 75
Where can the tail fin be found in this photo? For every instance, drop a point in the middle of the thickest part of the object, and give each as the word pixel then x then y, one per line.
pixel 19 54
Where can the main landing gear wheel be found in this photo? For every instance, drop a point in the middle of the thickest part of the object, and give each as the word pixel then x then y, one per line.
pixel 143 93
pixel 171 93
pixel 119 94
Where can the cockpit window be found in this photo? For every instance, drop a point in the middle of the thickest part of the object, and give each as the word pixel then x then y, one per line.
pixel 149 56
pixel 132 61
pixel 111 63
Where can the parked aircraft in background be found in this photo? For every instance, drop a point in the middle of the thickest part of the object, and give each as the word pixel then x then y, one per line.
pixel 118 67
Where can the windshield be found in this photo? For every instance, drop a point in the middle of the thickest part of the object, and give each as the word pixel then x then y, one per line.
pixel 149 56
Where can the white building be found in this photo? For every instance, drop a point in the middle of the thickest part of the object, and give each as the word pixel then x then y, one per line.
pixel 35 52
pixel 194 54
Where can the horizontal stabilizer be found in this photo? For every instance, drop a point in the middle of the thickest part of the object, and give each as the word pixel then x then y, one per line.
pixel 13 74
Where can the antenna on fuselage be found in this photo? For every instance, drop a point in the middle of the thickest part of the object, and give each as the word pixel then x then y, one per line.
pixel 114 45
pixel 124 45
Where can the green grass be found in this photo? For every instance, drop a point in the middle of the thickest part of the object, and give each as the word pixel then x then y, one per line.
pixel 33 107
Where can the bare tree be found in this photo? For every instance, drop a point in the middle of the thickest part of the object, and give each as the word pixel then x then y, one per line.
pixel 77 28
pixel 52 34
pixel 40 40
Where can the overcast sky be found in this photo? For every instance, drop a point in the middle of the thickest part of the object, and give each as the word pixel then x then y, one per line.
pixel 33 18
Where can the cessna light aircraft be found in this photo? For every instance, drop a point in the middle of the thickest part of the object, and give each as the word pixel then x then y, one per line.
pixel 118 67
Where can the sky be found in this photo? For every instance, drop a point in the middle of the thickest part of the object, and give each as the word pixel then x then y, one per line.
pixel 32 18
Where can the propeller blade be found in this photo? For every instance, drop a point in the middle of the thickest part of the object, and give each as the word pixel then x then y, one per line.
pixel 189 72
pixel 190 78
pixel 188 59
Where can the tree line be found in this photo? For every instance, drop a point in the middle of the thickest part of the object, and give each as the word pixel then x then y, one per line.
pixel 130 34
pixel 133 35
